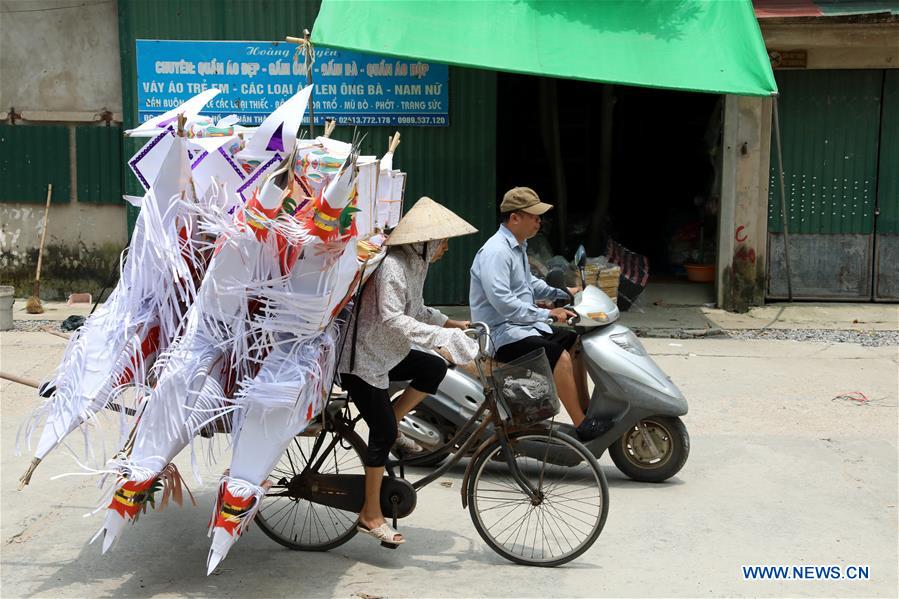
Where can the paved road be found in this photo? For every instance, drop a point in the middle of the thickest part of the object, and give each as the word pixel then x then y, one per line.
pixel 780 473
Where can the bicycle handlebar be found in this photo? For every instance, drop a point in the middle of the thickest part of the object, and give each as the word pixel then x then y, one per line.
pixel 481 333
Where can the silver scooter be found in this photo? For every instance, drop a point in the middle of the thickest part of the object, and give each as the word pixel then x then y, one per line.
pixel 648 441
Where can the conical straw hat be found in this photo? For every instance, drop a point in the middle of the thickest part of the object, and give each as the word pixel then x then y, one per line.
pixel 427 221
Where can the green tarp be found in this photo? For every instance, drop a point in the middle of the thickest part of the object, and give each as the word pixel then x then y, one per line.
pixel 699 45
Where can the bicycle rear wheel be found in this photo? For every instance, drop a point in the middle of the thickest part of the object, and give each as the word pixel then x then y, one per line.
pixel 570 509
pixel 298 523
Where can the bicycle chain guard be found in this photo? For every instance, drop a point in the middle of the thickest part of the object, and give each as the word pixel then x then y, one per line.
pixel 347 492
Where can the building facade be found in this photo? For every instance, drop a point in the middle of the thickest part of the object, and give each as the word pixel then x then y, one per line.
pixel 678 176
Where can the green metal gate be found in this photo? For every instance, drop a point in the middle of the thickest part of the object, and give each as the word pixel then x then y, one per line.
pixel 836 178
pixel 886 240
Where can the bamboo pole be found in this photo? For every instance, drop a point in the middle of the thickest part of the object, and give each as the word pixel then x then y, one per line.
pixel 19 379
pixel 309 58
pixel 330 125
pixel 601 212
pixel 783 202
pixel 33 305
pixel 393 142
pixel 57 333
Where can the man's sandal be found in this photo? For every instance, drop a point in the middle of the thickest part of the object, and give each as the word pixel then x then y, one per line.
pixel 383 533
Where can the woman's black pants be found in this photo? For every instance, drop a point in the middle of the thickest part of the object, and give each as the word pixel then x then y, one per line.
pixel 424 370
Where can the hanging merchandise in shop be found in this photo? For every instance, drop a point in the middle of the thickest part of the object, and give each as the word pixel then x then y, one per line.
pixel 255 78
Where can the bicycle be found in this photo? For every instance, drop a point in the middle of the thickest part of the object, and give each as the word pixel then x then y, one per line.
pixel 536 496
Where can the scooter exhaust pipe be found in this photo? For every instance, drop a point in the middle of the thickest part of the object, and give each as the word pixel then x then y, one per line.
pixel 420 431
pixel 559 455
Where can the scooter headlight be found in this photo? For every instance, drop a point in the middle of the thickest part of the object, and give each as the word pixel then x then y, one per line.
pixel 628 342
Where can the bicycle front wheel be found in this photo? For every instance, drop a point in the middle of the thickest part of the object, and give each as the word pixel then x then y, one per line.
pixel 561 522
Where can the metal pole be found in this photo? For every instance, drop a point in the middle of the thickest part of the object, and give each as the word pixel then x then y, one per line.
pixel 308 56
pixel 783 200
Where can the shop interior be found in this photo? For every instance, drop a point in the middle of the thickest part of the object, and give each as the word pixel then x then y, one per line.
pixel 635 165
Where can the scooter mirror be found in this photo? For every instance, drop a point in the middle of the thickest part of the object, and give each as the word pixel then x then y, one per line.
pixel 580 260
pixel 580 257
pixel 556 278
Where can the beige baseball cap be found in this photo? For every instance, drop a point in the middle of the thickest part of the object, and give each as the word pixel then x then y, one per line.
pixel 524 199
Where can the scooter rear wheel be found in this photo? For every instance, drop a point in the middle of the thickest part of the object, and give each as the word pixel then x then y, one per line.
pixel 653 450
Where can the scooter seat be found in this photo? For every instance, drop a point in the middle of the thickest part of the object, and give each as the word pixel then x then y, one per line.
pixel 471 369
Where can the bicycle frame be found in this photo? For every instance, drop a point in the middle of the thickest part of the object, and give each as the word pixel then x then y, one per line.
pixel 501 432
pixel 342 495
pixel 343 488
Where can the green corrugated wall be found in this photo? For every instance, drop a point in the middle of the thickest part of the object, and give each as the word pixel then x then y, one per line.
pixel 830 124
pixel 31 156
pixel 454 165
pixel 99 164
pixel 888 175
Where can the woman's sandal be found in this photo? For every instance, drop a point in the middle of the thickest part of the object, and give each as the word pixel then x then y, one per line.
pixel 407 445
pixel 383 533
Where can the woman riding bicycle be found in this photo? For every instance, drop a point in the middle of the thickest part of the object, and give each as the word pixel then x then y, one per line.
pixel 390 318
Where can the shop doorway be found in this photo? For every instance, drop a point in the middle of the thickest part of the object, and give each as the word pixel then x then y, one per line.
pixel 635 165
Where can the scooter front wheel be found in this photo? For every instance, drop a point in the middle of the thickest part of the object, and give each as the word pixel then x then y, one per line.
pixel 653 450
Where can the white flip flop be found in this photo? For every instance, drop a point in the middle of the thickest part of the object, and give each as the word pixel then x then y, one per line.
pixel 384 533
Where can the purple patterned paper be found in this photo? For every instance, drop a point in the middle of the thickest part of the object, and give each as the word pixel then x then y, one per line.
pixel 276 144
pixel 260 170
pixel 199 159
pixel 230 160
pixel 143 152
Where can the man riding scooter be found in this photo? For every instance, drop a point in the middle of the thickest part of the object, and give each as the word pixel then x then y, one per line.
pixel 503 294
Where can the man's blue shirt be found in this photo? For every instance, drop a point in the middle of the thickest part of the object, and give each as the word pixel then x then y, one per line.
pixel 503 291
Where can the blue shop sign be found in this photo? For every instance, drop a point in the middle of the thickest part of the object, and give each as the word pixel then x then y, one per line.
pixel 256 77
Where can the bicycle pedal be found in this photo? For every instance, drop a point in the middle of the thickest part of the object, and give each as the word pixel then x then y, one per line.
pixel 312 430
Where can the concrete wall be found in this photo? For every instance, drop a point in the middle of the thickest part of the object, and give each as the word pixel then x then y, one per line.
pixel 60 56
pixel 838 46
pixel 82 247
pixel 60 63
pixel 743 229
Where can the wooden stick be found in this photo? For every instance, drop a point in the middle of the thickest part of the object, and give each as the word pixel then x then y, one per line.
pixel 19 379
pixel 40 250
pixel 295 40
pixel 394 142
pixel 182 120
pixel 26 478
pixel 57 333
pixel 330 125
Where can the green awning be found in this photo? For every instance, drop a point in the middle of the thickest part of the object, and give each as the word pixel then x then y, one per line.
pixel 698 45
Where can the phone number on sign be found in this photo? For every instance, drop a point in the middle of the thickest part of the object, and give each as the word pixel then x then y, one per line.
pixel 387 120
pixel 421 120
